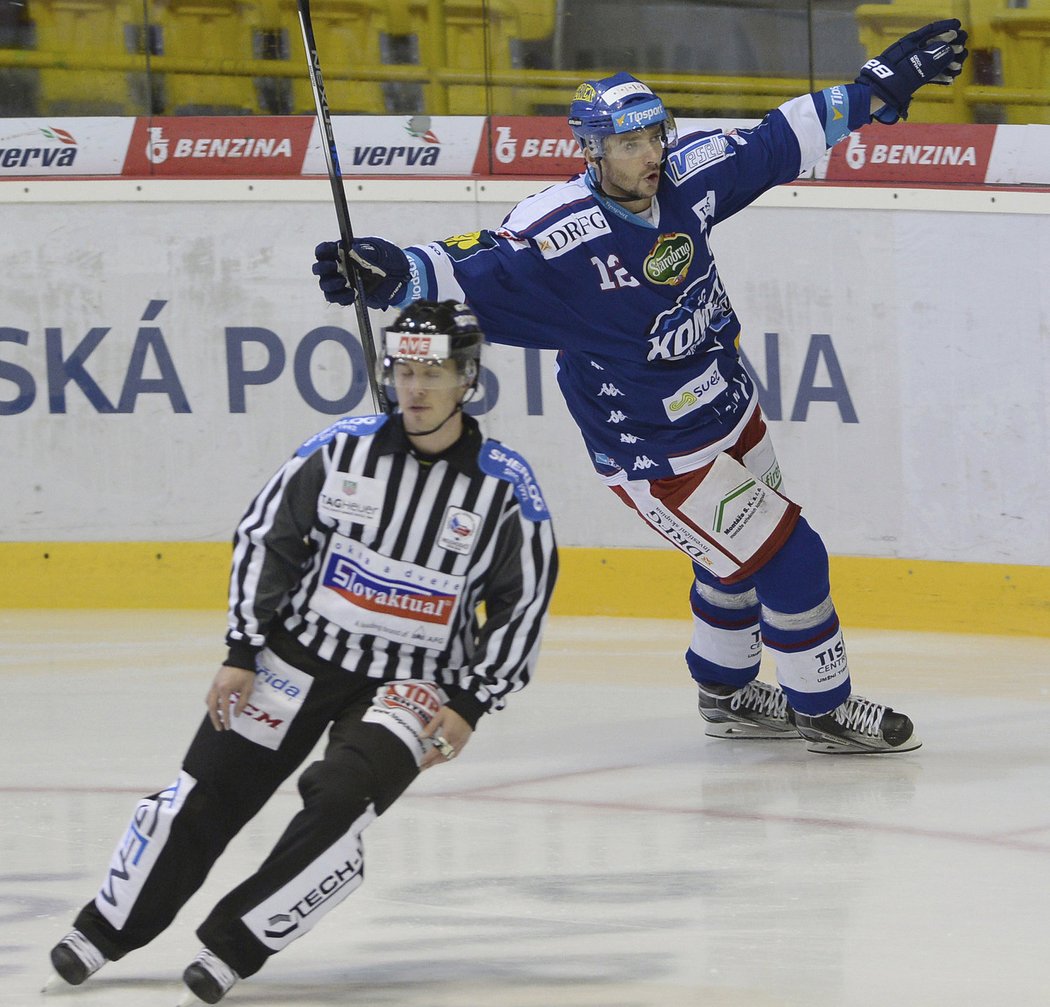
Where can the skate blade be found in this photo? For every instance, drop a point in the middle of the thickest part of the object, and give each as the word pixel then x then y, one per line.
pixel 840 748
pixel 753 732
pixel 189 999
pixel 54 982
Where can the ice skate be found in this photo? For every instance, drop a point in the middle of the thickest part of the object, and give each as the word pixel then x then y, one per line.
pixel 858 726
pixel 755 711
pixel 74 959
pixel 209 979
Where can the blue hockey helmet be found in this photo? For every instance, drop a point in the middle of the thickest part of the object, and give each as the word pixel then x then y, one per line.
pixel 613 105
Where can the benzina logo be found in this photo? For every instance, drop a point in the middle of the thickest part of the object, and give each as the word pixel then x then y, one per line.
pixel 159 146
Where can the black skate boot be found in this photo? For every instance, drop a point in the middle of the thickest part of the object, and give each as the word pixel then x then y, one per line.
pixel 755 711
pixel 858 726
pixel 75 958
pixel 209 978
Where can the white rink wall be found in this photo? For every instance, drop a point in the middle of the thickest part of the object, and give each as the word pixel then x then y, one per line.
pixel 163 347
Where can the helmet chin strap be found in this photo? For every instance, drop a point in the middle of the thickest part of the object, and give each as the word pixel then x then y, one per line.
pixel 434 430
pixel 467 396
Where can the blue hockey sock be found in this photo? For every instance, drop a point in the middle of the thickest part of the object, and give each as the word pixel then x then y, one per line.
pixel 726 645
pixel 800 625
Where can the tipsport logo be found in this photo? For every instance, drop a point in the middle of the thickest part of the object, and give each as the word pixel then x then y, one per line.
pixel 639 116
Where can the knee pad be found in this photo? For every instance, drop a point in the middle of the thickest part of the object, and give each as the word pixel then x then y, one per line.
pixel 340 787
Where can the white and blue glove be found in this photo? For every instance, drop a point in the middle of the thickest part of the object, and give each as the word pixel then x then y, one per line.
pixel 932 55
pixel 382 266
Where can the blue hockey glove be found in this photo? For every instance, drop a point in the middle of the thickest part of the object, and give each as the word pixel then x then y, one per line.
pixel 932 55
pixel 383 268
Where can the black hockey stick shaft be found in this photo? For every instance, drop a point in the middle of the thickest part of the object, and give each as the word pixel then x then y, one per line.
pixel 342 211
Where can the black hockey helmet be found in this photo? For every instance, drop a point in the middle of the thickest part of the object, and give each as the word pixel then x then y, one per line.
pixel 432 332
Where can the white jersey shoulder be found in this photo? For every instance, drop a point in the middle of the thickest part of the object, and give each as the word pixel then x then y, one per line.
pixel 546 204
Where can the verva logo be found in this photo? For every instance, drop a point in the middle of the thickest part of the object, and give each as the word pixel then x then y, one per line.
pixel 223 147
pixel 935 152
pixel 528 145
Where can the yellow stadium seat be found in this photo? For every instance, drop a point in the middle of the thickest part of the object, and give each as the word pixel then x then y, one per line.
pixel 1023 37
pixel 474 36
pixel 348 35
pixel 66 29
pixel 215 32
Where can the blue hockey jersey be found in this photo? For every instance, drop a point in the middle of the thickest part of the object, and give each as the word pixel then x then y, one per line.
pixel 647 337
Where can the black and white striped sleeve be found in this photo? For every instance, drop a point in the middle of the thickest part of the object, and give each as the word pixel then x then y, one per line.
pixel 517 592
pixel 270 548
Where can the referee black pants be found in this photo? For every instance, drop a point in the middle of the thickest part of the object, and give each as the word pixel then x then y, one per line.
pixel 365 768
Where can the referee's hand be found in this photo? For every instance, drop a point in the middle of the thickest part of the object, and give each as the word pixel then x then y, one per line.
pixel 449 733
pixel 230 683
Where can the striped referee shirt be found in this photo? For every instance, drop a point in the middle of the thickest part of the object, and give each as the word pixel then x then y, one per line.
pixel 360 554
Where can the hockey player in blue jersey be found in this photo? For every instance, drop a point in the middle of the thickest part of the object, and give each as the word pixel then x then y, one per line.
pixel 613 269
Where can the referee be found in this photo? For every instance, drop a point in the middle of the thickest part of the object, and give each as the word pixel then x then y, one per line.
pixel 358 573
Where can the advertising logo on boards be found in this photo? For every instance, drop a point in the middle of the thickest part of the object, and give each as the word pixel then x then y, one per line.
pixel 528 145
pixel 393 145
pixel 48 148
pixel 914 152
pixel 218 147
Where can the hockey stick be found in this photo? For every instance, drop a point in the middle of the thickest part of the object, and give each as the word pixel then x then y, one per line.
pixel 342 211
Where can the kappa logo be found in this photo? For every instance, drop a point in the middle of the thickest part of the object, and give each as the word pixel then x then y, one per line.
pixel 616 417
pixel 610 389
pixel 643 462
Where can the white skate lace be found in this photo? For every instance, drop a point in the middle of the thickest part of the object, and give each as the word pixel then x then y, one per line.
pixel 860 715
pixel 92 958
pixel 762 699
